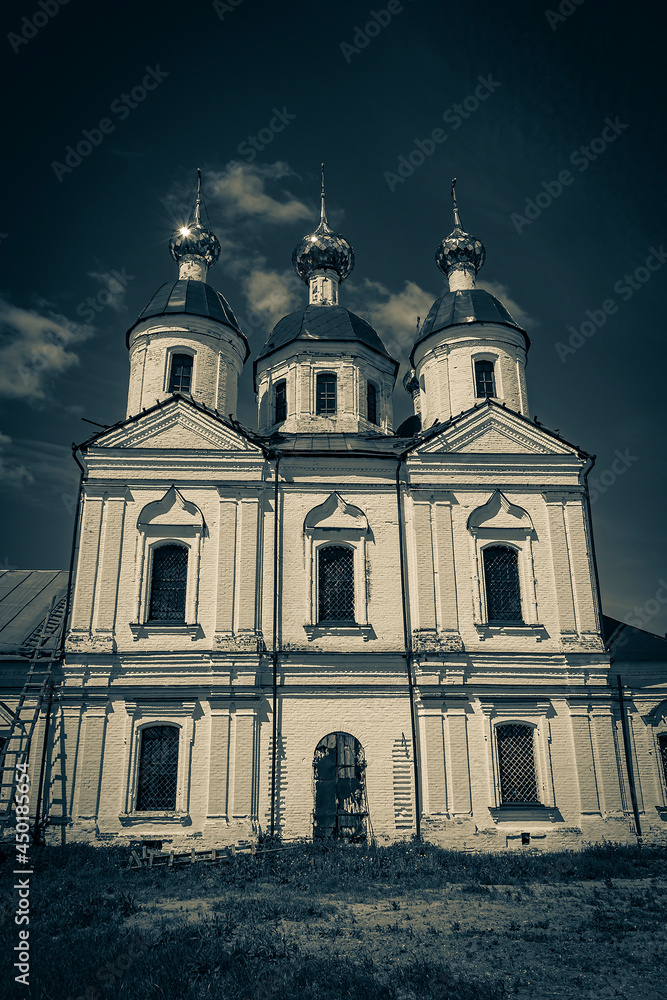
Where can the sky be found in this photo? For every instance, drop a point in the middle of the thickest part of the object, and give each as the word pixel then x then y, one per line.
pixel 551 118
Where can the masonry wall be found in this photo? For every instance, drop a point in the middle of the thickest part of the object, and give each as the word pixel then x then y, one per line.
pixel 213 678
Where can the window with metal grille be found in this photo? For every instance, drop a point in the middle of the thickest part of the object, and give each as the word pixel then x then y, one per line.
pixel 325 394
pixel 180 379
pixel 662 748
pixel 516 763
pixel 503 593
pixel 169 584
pixel 336 584
pixel 371 402
pixel 484 380
pixel 280 398
pixel 158 768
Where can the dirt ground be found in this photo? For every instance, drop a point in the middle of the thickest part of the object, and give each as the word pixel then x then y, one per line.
pixel 593 939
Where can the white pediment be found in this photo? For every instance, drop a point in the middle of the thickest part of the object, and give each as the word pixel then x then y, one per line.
pixel 177 426
pixel 495 431
pixel 335 514
pixel 498 514
pixel 171 510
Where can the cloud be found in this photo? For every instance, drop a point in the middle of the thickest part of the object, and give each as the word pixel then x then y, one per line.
pixel 271 294
pixel 518 314
pixel 240 191
pixel 12 475
pixel 392 314
pixel 35 348
pixel 241 200
pixel 113 290
pixel 48 469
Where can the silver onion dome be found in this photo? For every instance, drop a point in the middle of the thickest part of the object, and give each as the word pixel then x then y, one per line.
pixel 196 241
pixel 193 240
pixel 459 251
pixel 323 250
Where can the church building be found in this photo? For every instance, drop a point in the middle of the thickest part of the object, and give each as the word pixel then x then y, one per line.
pixel 326 626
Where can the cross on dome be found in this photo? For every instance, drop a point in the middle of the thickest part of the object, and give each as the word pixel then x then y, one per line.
pixel 460 255
pixel 320 252
pixel 193 247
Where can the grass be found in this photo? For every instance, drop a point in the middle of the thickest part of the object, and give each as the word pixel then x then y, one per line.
pixel 360 923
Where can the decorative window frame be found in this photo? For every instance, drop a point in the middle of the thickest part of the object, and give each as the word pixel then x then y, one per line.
pixel 357 546
pixel 535 717
pixel 169 521
pixel 325 370
pixel 494 358
pixel 366 382
pixel 335 522
pixel 657 720
pixel 498 522
pixel 274 401
pixel 169 353
pixel 145 715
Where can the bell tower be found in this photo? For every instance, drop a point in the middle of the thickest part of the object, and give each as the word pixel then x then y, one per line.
pixel 323 369
pixel 187 339
pixel 468 348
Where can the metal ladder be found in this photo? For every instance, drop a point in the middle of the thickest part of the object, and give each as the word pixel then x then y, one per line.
pixel 38 687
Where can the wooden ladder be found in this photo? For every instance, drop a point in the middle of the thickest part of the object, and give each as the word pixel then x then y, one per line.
pixel 37 688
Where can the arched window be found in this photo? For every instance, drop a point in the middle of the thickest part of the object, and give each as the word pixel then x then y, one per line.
pixel 180 378
pixel 168 583
pixel 371 403
pixel 501 576
pixel 484 381
pixel 280 400
pixel 325 394
pixel 335 584
pixel 158 768
pixel 516 763
pixel 662 748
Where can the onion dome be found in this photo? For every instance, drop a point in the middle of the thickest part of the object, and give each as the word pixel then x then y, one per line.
pixel 196 241
pixel 193 240
pixel 460 251
pixel 323 250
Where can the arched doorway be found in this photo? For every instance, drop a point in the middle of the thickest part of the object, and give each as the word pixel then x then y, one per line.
pixel 341 808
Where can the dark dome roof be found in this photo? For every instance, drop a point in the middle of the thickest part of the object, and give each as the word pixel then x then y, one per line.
pixel 410 426
pixel 472 305
pixel 323 323
pixel 195 298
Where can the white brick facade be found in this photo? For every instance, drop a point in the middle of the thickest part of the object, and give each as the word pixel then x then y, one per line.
pixel 181 475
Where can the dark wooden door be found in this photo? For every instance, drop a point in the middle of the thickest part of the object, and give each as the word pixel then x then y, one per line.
pixel 340 790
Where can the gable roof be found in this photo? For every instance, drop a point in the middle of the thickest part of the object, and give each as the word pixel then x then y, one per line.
pixel 627 642
pixel 439 428
pixel 226 422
